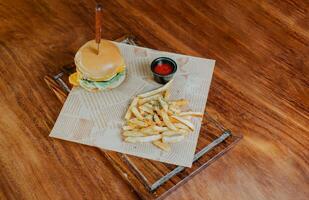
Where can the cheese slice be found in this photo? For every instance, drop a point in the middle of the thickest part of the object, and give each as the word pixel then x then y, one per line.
pixel 74 79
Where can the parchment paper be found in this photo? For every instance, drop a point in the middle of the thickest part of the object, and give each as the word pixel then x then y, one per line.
pixel 96 119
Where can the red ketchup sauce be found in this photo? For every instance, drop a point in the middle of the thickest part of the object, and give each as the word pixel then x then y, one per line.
pixel 163 69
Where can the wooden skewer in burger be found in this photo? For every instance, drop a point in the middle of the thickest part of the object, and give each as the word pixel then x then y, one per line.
pixel 99 64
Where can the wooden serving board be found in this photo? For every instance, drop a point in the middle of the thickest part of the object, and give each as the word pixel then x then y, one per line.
pixel 153 179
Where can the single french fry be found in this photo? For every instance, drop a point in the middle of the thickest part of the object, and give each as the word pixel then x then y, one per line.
pixel 153 92
pixel 149 105
pixel 146 133
pixel 173 120
pixel 157 109
pixel 153 103
pixel 169 112
pixel 149 131
pixel 172 139
pixel 164 146
pixel 180 102
pixel 129 113
pixel 184 121
pixel 157 119
pixel 128 128
pixel 137 122
pixel 146 108
pixel 170 133
pixel 190 113
pixel 137 114
pixel 147 99
pixel 163 104
pixel 181 126
pixel 166 94
pixel 167 121
pixel 174 109
pixel 159 128
pixel 187 117
pixel 154 128
pixel 143 139
pixel 177 132
pixel 132 134
pixel 159 114
pixel 149 117
pixel 149 120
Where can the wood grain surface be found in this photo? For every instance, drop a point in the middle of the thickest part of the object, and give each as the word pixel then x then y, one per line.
pixel 260 88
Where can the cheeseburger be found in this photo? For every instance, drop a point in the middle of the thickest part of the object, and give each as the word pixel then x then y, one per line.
pixel 98 71
pixel 99 64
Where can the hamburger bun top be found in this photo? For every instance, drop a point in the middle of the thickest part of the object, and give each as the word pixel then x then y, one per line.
pixel 102 66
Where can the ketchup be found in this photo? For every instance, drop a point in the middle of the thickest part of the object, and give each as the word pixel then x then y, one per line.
pixel 163 69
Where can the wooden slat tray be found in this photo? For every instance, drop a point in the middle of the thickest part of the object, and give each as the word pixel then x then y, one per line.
pixel 153 179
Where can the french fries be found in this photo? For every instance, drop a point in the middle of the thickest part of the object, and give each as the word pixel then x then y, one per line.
pixel 152 117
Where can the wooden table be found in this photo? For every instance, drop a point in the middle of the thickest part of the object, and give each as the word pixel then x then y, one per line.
pixel 260 89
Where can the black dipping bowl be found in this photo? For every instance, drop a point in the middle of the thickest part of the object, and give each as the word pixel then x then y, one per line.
pixel 159 78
